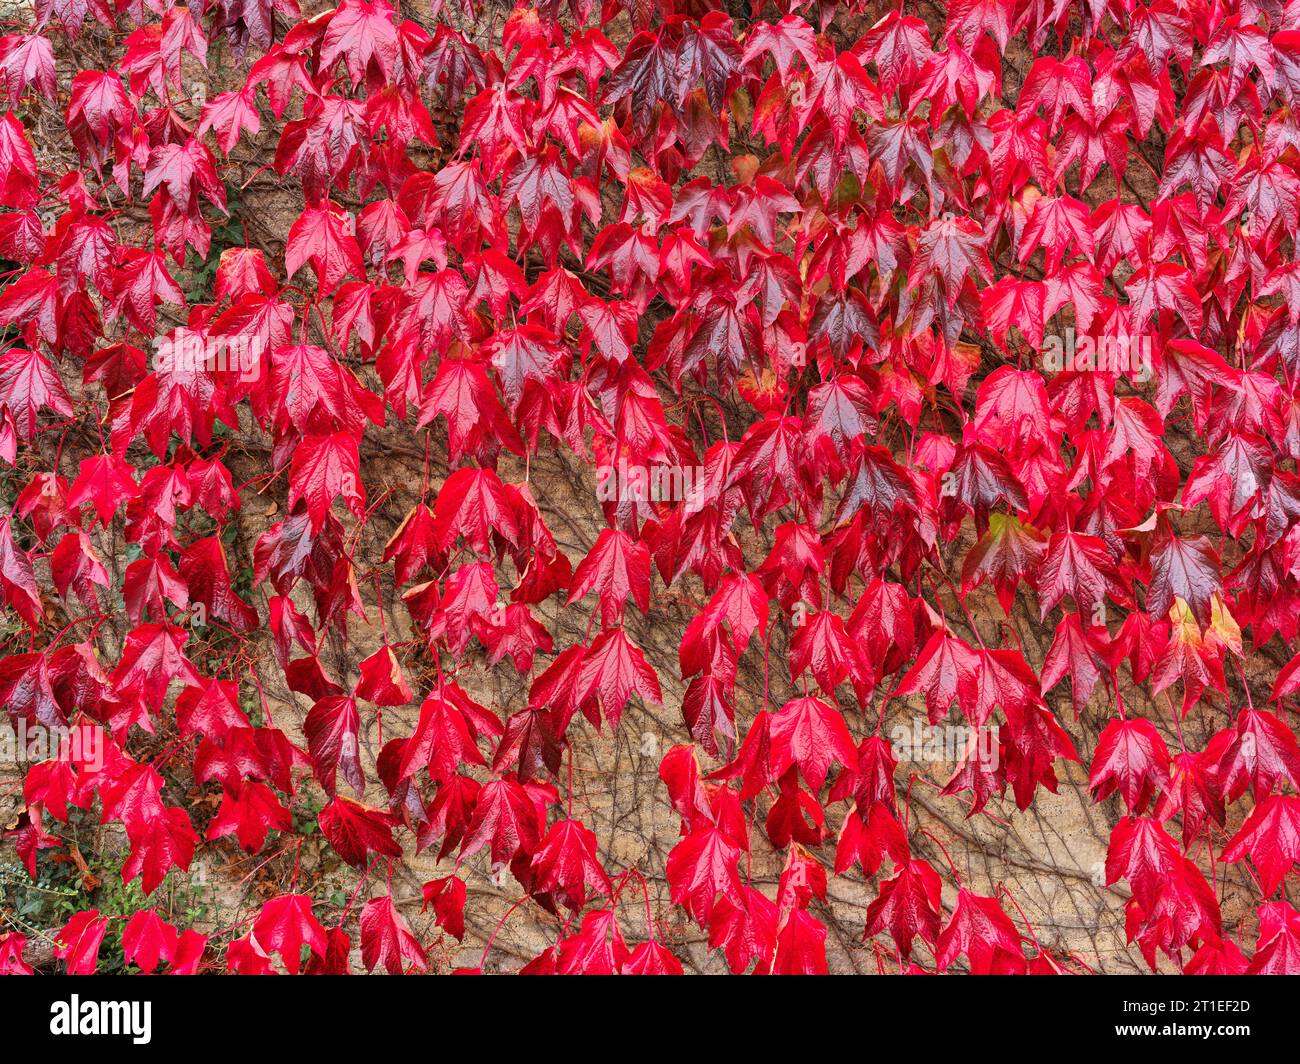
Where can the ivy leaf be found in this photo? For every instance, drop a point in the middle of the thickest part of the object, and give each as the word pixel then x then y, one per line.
pixel 386 939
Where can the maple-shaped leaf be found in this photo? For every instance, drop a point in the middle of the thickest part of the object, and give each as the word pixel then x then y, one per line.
pixel 1164 290
pixel 614 668
pixel 1232 479
pixel 1002 678
pixel 471 593
pixel 212 709
pixel 1080 566
pixel 598 947
pixel 285 924
pixel 27 59
pixel 323 468
pixel 953 249
pixel 1186 569
pixel 821 644
pixel 565 864
pixel 153 656
pixel 159 844
pixel 652 958
pixel 1130 758
pixel 701 867
pixel 362 33
pixel 230 115
pixel 323 236
pixel 335 962
pixel 978 928
pixel 1261 754
pixel 356 831
pixel 1189 654
pixel 839 86
pixel 1058 223
pixel 412 545
pixel 907 906
pixel 386 939
pixel 1080 653
pixel 29 384
pixel 75 566
pixel 796 816
pixel 1244 47
pixel 1142 852
pixel 616 567
pixel 707 708
pixel 1183 914
pixel 445 735
pixel 530 742
pixel 184 171
pixel 811 734
pixel 1270 837
pixel 557 686
pixel 513 632
pixel 839 411
pixel 447 896
pixel 1217 958
pixel 782 40
pixel 1187 367
pixel 868 837
pixel 1277 952
pixel 800 946
pixel 1009 302
pixel 740 601
pixel 206 571
pixel 1006 554
pixel 331 729
pixel 523 357
pixel 18 161
pixel 148 940
pixel 506 816
pixel 77 942
pixel 978 479
pixel 106 482
pixel 310 390
pixel 382 681
pixel 1031 741
pixel 473 503
pixel 448 815
pixel 745 931
pixel 1192 791
pixel 462 393
pixel 139 283
pixel 249 814
pixel 945 665
pixel 32 301
pixel 241 272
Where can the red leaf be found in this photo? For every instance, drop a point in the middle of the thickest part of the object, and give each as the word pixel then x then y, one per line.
pixel 386 939
pixel 356 831
pixel 613 669
pixel 286 924
pixel 78 942
pixel 907 906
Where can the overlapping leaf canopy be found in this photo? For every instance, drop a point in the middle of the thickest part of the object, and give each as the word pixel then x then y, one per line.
pixel 940 330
